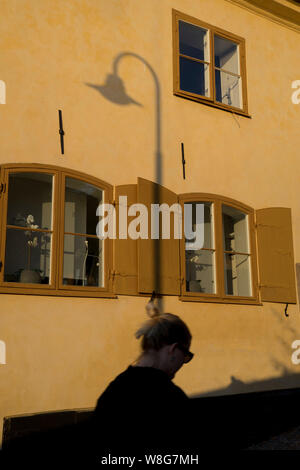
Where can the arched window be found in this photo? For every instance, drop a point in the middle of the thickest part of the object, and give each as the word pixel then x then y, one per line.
pixel 49 243
pixel 224 267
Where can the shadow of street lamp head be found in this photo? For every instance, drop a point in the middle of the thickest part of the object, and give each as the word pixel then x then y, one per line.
pixel 114 90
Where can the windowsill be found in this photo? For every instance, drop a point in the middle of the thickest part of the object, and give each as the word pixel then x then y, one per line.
pixel 190 96
pixel 218 300
pixel 56 293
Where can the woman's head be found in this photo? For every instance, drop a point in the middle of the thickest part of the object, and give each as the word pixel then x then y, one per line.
pixel 166 339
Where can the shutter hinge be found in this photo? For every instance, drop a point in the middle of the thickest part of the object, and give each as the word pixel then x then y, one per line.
pixel 1 264
pixel 2 188
pixel 274 286
pixel 113 273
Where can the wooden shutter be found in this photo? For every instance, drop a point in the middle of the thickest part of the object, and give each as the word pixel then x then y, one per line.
pixel 125 280
pixel 158 260
pixel 275 255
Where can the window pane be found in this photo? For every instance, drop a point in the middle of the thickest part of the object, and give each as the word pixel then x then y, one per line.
pixel 200 271
pixel 197 226
pixel 27 256
pixel 235 230
pixel 194 77
pixel 83 261
pixel 193 41
pixel 237 275
pixel 228 89
pixel 81 203
pixel 226 55
pixel 30 200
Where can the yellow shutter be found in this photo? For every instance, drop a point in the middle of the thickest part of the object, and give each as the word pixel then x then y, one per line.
pixel 158 260
pixel 125 252
pixel 276 255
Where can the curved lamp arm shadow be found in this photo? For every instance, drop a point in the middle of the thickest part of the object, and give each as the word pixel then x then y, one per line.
pixel 114 91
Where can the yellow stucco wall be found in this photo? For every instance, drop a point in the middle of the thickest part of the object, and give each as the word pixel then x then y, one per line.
pixel 61 352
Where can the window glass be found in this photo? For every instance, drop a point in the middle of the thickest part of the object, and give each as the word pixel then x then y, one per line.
pixel 237 270
pixel 228 89
pixel 200 263
pixel 30 200
pixel 200 271
pixel 83 256
pixel 194 77
pixel 81 203
pixel 83 261
pixel 203 226
pixel 235 230
pixel 237 275
pixel 29 228
pixel 228 86
pixel 193 41
pixel 226 55
pixel 27 256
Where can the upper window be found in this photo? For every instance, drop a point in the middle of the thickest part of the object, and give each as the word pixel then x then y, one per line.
pixel 224 267
pixel 49 241
pixel 209 64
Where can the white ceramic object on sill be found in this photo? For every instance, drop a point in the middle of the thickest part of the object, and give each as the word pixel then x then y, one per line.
pixel 28 276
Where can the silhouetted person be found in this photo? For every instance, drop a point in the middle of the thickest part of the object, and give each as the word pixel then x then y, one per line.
pixel 142 410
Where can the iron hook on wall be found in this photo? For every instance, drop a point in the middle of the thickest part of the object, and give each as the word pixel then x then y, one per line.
pixel 61 132
pixel 285 310
pixel 183 160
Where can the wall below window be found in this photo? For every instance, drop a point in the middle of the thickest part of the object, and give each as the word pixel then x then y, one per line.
pixel 61 353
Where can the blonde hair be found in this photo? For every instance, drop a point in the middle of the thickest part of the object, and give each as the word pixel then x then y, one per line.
pixel 161 330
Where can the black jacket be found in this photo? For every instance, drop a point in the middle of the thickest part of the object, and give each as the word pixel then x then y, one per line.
pixel 142 410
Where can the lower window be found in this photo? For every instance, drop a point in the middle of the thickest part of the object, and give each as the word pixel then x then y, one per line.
pixel 222 266
pixel 48 233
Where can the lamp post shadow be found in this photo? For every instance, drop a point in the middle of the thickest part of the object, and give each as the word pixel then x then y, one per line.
pixel 114 90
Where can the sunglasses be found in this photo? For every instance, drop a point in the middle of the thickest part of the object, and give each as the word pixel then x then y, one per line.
pixel 188 355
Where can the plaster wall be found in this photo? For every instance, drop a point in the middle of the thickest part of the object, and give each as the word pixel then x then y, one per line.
pixel 62 352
